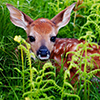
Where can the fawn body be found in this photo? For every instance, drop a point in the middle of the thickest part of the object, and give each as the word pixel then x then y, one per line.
pixel 42 35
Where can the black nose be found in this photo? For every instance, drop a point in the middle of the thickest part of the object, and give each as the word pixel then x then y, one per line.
pixel 43 53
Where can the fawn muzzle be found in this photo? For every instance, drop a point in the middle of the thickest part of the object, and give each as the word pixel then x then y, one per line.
pixel 43 53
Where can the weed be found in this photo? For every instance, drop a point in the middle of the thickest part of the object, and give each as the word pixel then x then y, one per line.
pixel 18 84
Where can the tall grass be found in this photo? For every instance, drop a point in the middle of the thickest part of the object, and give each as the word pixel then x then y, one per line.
pixel 15 76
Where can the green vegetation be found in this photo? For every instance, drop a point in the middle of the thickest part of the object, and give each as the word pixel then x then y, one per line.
pixel 22 77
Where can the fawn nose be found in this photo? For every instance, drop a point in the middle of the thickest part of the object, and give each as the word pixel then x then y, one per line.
pixel 43 53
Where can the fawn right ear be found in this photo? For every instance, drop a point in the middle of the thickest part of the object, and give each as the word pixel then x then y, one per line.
pixel 63 17
pixel 18 18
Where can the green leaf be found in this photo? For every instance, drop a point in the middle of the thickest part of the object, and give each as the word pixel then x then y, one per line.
pixel 18 70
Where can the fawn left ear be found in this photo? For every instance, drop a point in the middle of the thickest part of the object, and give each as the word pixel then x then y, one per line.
pixel 18 18
pixel 63 17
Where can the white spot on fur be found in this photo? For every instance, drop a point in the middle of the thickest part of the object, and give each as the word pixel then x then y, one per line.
pixel 61 46
pixel 56 58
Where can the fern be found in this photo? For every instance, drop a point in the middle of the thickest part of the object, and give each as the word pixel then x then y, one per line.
pixel 93 20
pixel 78 60
pixel 67 87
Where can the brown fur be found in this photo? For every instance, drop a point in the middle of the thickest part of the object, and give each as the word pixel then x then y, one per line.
pixel 42 28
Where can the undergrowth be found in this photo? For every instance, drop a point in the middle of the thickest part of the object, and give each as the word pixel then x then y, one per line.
pixel 21 77
pixel 38 85
pixel 84 63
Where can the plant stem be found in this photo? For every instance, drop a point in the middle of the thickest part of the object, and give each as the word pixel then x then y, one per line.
pixel 85 97
pixel 30 70
pixel 31 78
pixel 88 90
pixel 22 66
pixel 62 91
pixel 58 4
pixel 74 18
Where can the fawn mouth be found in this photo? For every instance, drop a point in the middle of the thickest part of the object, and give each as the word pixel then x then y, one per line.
pixel 43 58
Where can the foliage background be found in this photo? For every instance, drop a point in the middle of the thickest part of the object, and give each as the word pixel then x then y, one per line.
pixel 89 20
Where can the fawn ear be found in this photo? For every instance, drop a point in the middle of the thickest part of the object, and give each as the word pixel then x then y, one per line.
pixel 63 17
pixel 18 18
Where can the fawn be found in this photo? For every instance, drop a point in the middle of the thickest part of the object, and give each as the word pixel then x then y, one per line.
pixel 42 34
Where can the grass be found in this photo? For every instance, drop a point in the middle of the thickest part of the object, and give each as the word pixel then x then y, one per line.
pixel 11 72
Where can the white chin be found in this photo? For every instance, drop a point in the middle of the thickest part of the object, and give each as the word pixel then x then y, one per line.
pixel 44 58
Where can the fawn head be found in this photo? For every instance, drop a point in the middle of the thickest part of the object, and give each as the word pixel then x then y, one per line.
pixel 42 32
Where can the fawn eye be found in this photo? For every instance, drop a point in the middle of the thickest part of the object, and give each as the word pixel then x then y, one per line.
pixel 53 39
pixel 31 38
